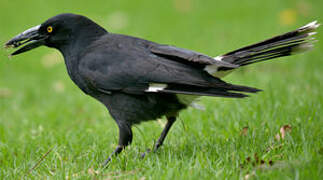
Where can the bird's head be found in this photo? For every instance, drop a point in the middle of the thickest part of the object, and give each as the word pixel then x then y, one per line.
pixel 57 32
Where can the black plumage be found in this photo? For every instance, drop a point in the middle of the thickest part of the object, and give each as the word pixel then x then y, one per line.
pixel 139 80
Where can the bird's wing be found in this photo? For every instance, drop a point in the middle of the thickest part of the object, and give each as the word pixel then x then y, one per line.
pixel 133 76
pixel 187 56
pixel 125 65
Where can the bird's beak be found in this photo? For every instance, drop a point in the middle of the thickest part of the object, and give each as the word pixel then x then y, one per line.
pixel 31 37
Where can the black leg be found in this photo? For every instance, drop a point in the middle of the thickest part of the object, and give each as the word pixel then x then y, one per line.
pixel 125 138
pixel 160 141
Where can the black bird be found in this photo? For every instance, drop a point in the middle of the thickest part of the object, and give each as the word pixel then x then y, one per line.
pixel 139 80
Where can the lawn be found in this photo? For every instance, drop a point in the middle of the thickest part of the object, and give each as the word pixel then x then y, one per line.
pixel 50 130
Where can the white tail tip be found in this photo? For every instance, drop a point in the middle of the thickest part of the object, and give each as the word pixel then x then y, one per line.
pixel 310 26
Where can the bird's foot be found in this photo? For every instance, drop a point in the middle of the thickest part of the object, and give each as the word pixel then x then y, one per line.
pixel 156 147
pixel 114 154
pixel 105 164
pixel 145 153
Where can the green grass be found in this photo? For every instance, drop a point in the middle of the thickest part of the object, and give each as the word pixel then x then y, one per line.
pixel 42 111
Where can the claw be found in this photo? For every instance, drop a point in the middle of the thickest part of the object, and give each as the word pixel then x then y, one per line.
pixel 144 153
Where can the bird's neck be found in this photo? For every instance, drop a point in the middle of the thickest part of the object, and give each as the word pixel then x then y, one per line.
pixel 80 40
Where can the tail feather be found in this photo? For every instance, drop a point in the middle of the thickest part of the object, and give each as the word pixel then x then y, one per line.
pixel 274 53
pixel 239 88
pixel 287 44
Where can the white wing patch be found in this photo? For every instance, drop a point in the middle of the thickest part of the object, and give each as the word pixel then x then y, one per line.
pixel 155 87
pixel 189 100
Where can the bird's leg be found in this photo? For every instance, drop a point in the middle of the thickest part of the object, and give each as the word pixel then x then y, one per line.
pixel 125 138
pixel 160 141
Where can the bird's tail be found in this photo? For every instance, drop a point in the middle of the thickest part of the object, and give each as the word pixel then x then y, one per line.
pixel 287 44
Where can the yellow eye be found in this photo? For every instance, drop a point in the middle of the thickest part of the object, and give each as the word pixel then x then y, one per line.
pixel 49 29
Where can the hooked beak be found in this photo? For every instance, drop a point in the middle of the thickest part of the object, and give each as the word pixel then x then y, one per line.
pixel 30 37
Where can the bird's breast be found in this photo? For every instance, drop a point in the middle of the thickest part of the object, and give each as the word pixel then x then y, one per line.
pixel 74 73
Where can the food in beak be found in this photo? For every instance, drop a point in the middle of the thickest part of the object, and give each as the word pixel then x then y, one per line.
pixel 31 37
